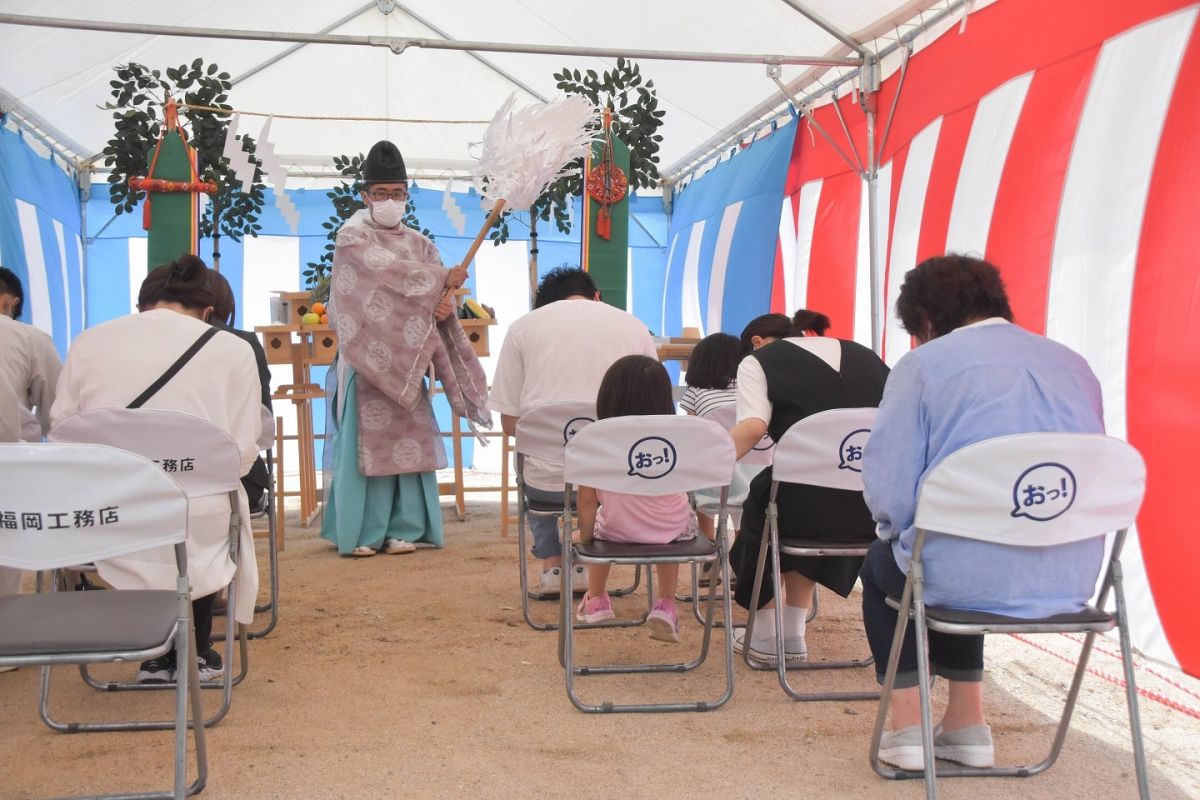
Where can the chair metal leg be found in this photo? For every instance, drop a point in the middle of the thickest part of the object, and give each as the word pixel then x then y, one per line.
pixel 889 683
pixel 273 572
pixel 922 637
pixel 770 542
pixel 1135 718
pixel 187 693
pixel 568 626
pixel 523 572
pixel 226 684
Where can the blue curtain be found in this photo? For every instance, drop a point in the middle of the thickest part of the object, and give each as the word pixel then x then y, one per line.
pixel 40 237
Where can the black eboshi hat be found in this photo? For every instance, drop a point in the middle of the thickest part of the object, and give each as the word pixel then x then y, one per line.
pixel 384 164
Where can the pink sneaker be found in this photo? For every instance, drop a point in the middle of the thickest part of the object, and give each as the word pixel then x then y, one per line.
pixel 594 609
pixel 663 621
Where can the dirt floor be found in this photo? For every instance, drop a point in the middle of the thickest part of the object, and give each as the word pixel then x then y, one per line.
pixel 415 676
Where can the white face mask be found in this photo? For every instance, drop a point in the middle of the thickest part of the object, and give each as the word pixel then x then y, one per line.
pixel 387 213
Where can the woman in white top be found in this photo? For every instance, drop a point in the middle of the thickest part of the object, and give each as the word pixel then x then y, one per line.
pixel 110 365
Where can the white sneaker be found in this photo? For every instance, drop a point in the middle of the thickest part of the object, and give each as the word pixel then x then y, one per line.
pixel 548 584
pixel 793 649
pixel 903 749
pixel 579 580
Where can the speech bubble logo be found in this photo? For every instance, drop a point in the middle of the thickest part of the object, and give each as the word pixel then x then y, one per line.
pixel 1043 492
pixel 850 451
pixel 574 426
pixel 764 444
pixel 651 457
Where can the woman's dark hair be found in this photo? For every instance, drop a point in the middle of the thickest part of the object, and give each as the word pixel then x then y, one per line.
pixel 563 282
pixel 946 292
pixel 714 362
pixel 777 326
pixel 634 386
pixel 183 281
pixel 805 320
pixel 11 284
pixel 224 306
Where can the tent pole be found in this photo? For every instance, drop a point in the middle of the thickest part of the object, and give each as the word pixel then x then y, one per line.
pixel 84 184
pixel 398 44
pixel 508 76
pixel 828 27
pixel 771 107
pixel 870 89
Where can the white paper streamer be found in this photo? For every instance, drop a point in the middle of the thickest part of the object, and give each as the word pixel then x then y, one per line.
pixel 524 150
pixel 239 160
pixel 458 220
pixel 275 175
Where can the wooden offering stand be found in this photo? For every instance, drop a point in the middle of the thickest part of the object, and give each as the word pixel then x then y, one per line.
pixel 302 346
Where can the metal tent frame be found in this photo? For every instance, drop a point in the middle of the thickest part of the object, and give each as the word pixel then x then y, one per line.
pixel 864 61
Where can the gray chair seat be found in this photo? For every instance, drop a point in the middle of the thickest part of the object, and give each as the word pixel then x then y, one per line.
pixel 846 548
pixel 542 507
pixel 56 623
pixel 698 548
pixel 1089 619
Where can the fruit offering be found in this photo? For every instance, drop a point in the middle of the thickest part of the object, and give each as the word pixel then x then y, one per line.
pixel 311 318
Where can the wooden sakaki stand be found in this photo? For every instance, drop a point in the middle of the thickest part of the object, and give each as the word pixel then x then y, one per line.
pixel 304 346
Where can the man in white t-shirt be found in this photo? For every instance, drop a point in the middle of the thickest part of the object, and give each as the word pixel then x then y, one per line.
pixel 29 367
pixel 559 351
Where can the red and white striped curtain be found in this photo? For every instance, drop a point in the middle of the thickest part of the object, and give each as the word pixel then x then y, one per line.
pixel 1061 141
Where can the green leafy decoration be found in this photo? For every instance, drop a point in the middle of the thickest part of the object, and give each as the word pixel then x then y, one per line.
pixel 636 119
pixel 138 93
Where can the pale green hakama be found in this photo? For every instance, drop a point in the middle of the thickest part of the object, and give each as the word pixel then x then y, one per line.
pixel 363 510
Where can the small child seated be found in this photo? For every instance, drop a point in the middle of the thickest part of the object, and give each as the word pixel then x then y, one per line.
pixel 634 386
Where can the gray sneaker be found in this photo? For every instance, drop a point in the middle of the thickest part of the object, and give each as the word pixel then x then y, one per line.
pixel 970 746
pixel 903 749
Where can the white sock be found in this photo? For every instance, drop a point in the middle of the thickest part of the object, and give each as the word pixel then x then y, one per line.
pixel 794 622
pixel 764 627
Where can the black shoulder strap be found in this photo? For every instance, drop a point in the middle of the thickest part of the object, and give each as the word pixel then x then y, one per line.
pixel 173 369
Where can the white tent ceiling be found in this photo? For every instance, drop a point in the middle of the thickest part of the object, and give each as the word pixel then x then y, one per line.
pixel 59 78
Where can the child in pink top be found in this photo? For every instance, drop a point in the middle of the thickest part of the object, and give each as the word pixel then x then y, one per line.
pixel 634 386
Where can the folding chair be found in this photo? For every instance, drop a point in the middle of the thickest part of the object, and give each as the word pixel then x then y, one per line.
pixel 542 432
pixel 649 455
pixel 204 460
pixel 824 449
pixel 1080 486
pixel 759 456
pixel 69 503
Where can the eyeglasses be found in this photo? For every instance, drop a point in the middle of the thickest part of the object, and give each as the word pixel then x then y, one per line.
pixel 378 195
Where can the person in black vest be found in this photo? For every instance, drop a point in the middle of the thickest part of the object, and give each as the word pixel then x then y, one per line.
pixel 779 384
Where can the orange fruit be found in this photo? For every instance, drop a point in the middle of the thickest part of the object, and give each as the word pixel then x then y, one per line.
pixel 324 319
pixel 318 308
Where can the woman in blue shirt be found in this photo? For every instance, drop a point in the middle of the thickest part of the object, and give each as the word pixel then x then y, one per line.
pixel 974 376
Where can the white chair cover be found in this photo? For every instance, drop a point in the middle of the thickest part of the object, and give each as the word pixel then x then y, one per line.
pixel 1010 488
pixel 762 454
pixel 206 463
pixel 650 455
pixel 201 457
pixel 825 449
pixel 63 504
pixel 544 430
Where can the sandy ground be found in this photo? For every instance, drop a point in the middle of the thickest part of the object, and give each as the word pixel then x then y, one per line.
pixel 415 676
